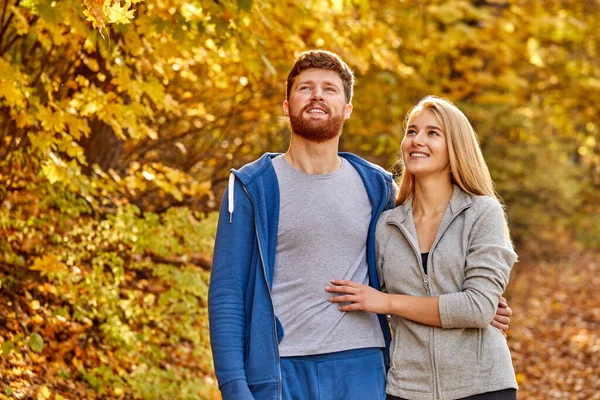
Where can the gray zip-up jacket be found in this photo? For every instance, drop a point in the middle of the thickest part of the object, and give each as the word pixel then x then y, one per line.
pixel 468 268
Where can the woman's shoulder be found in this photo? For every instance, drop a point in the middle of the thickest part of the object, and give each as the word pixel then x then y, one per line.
pixel 483 204
pixel 395 215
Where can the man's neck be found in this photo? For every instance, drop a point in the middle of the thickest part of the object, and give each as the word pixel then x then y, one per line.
pixel 314 158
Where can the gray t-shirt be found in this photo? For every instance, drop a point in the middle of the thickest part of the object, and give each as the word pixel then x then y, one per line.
pixel 323 227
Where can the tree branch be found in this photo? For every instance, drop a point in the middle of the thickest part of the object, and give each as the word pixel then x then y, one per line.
pixel 193 258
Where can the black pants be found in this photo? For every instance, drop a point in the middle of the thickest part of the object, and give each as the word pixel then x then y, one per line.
pixel 506 394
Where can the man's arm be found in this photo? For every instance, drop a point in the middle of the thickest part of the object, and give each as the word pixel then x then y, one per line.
pixel 226 307
pixel 502 318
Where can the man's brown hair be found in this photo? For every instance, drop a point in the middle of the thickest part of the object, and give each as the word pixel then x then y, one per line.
pixel 322 59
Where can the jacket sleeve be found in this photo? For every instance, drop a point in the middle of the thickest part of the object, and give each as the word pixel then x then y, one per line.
pixel 234 245
pixel 490 258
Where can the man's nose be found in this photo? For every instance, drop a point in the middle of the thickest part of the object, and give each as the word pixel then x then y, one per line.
pixel 317 94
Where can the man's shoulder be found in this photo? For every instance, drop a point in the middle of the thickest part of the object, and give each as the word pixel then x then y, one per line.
pixel 366 166
pixel 256 168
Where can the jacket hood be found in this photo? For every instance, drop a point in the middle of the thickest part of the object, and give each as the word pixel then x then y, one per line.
pixel 249 172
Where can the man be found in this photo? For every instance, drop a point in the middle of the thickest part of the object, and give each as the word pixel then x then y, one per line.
pixel 288 224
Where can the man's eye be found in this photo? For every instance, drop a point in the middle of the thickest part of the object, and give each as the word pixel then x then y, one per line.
pixel 304 88
pixel 330 89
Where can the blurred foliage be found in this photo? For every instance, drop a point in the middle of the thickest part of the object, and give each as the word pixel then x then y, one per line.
pixel 119 121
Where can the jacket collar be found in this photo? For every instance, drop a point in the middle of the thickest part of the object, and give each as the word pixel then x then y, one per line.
pixel 459 200
pixel 251 171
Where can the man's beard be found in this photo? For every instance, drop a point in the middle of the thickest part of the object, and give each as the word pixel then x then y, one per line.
pixel 318 131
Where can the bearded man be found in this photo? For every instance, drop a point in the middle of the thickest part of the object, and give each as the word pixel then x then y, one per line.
pixel 289 223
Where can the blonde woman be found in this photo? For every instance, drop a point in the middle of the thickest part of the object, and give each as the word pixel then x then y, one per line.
pixel 444 259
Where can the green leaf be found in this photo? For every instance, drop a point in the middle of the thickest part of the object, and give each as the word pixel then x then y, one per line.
pixel 36 343
pixel 6 348
pixel 244 5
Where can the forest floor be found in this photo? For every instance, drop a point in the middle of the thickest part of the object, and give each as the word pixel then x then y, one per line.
pixel 554 339
pixel 555 329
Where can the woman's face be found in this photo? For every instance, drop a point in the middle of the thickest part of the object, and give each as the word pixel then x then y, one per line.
pixel 424 147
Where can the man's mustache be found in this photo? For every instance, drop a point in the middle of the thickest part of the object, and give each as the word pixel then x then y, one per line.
pixel 320 105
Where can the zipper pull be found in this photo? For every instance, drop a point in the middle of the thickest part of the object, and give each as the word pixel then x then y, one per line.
pixel 426 282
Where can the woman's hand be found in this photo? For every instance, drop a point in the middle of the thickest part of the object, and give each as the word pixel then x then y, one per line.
pixel 361 297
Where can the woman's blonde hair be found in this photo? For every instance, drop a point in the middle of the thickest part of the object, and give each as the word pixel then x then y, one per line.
pixel 467 165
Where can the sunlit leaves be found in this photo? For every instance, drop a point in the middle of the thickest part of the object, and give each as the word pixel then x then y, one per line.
pixel 120 14
pixel 12 83
pixel 102 12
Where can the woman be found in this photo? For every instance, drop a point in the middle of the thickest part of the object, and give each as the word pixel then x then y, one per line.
pixel 444 259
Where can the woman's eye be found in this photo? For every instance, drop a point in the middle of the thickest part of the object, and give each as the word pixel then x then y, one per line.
pixel 433 133
pixel 410 132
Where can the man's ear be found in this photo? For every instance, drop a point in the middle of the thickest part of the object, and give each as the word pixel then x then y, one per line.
pixel 286 108
pixel 347 111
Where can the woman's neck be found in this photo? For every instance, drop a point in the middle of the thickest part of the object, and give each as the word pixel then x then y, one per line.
pixel 432 196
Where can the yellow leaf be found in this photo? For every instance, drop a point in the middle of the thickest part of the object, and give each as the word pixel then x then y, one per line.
pixel 55 172
pixel 76 363
pixel 10 85
pixel 23 120
pixel 44 393
pixel 120 15
pixel 51 121
pixel 48 264
pixel 21 22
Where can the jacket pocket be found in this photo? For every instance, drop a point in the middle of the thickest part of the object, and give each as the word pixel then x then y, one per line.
pixel 265 390
pixel 457 358
pixel 411 361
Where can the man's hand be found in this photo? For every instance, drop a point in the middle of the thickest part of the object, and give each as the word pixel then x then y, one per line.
pixel 361 297
pixel 502 317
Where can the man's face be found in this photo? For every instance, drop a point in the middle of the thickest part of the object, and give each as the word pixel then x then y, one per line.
pixel 317 106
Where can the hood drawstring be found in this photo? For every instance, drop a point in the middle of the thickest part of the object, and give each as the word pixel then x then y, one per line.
pixel 230 196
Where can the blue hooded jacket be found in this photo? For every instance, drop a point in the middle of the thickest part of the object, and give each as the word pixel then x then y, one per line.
pixel 244 330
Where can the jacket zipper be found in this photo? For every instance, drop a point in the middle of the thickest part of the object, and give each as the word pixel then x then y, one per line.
pixel 437 239
pixel 416 251
pixel 426 284
pixel 262 261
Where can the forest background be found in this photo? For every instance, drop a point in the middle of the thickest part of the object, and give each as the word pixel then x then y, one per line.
pixel 120 120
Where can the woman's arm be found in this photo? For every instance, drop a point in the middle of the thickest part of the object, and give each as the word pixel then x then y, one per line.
pixel 490 258
pixel 486 276
pixel 424 310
